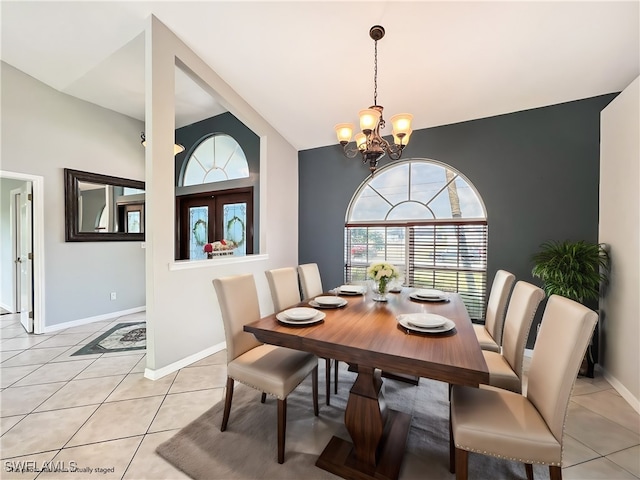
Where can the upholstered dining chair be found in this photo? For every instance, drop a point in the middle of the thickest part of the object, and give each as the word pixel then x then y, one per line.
pixel 505 369
pixel 285 292
pixel 526 428
pixel 311 285
pixel 310 280
pixel 283 283
pixel 270 369
pixel 490 334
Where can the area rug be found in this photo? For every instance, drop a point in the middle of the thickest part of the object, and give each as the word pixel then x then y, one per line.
pixel 247 449
pixel 121 338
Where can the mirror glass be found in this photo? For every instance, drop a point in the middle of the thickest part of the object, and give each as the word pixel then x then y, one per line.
pixel 103 208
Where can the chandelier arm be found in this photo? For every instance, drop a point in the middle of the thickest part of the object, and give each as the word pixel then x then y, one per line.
pixel 350 151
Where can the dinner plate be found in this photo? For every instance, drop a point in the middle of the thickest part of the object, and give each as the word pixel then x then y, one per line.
pixel 428 299
pixel 429 293
pixel 341 302
pixel 330 301
pixel 424 320
pixel 351 290
pixel 319 317
pixel 447 327
pixel 299 313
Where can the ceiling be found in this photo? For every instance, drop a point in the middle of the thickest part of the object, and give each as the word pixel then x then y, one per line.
pixel 305 66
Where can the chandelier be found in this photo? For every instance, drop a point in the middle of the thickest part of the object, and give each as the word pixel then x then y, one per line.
pixel 177 148
pixel 369 143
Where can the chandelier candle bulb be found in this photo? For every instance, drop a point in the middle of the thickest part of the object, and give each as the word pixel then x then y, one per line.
pixel 369 119
pixel 401 123
pixel 361 141
pixel 344 132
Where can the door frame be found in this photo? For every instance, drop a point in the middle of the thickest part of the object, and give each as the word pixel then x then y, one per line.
pixel 37 189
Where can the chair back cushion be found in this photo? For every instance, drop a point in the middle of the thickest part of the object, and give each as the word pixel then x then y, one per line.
pixel 522 308
pixel 283 283
pixel 497 304
pixel 238 299
pixel 310 280
pixel 565 332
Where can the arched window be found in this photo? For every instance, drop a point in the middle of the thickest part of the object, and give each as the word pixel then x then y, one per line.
pixel 217 158
pixel 426 218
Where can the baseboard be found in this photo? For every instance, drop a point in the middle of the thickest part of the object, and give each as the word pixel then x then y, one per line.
pixel 622 390
pixel 7 307
pixel 97 318
pixel 175 366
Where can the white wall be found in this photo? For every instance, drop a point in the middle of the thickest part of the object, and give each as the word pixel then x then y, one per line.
pixel 619 228
pixel 7 280
pixel 43 132
pixel 183 316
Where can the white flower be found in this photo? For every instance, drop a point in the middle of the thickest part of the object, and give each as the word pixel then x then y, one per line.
pixel 382 270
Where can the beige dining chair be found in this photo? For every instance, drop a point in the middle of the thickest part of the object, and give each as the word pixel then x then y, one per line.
pixel 270 369
pixel 285 292
pixel 526 428
pixel 505 369
pixel 311 284
pixel 310 280
pixel 490 334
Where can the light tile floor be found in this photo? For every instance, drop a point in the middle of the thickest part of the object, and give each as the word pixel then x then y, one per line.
pixel 100 411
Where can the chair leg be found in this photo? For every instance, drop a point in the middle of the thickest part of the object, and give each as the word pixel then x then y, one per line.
pixel 462 463
pixel 529 469
pixel 227 404
pixel 282 428
pixel 314 390
pixel 263 397
pixel 328 380
pixel 555 472
pixel 335 379
pixel 452 450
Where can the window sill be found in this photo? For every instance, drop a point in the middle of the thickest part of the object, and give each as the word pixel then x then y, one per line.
pixel 231 260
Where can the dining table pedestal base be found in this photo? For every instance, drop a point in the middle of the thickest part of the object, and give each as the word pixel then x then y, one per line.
pixel 339 456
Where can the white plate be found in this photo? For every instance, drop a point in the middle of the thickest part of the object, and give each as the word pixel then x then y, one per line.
pixel 317 318
pixel 448 326
pixel 351 290
pixel 299 313
pixel 424 320
pixel 428 293
pixel 330 301
pixel 428 299
pixel 315 304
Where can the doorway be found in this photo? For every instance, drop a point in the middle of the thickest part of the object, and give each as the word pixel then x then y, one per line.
pixel 22 251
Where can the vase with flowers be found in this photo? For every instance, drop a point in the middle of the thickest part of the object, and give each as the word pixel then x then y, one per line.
pixel 219 248
pixel 381 274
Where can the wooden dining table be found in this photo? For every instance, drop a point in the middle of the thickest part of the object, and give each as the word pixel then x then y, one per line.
pixel 366 334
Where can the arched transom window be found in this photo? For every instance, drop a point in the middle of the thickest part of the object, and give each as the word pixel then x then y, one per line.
pixel 426 218
pixel 217 158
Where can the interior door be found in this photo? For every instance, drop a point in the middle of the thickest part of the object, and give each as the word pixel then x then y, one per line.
pixel 24 260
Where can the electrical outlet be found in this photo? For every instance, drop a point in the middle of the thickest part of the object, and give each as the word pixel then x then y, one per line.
pixel 113 295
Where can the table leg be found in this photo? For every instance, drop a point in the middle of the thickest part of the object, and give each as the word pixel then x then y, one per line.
pixel 379 434
pixel 366 415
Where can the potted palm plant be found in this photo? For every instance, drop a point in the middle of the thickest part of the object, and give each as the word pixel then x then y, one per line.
pixel 573 269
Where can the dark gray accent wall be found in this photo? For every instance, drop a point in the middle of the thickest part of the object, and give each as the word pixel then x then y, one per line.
pixel 537 172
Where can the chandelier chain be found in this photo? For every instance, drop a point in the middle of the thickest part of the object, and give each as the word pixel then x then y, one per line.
pixel 375 73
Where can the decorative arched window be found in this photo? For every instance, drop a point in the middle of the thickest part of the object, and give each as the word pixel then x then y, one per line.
pixel 217 158
pixel 426 218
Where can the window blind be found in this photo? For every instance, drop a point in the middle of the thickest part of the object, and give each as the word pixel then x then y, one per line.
pixel 449 256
